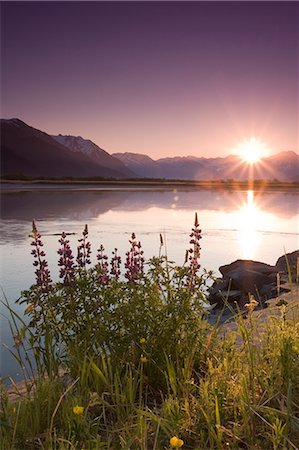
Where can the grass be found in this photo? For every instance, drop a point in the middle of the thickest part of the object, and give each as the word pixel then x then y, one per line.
pixel 133 364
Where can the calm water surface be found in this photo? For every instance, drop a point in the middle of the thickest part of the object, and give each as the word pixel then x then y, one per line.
pixel 235 224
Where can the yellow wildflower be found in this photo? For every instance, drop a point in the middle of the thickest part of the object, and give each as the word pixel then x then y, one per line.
pixel 78 410
pixel 252 304
pixel 142 341
pixel 176 442
pixel 143 359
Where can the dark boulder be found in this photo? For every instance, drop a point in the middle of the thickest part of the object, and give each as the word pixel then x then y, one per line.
pixel 229 296
pixel 247 280
pixel 248 264
pixel 219 286
pixel 244 277
pixel 241 278
pixel 289 259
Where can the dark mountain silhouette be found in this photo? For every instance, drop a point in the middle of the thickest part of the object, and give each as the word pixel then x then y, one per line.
pixel 283 166
pixel 26 151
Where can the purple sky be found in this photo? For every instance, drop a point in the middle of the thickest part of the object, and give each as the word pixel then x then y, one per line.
pixel 162 78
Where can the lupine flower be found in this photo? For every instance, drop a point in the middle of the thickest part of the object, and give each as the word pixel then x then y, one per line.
pixel 161 240
pixel 193 254
pixel 115 264
pixel 84 250
pixel 176 442
pixel 66 263
pixel 43 277
pixel 134 261
pixel 161 244
pixel 78 410
pixel 102 267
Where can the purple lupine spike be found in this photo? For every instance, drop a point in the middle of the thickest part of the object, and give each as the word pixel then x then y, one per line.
pixel 115 264
pixel 43 277
pixel 66 263
pixel 102 267
pixel 134 260
pixel 84 250
pixel 193 253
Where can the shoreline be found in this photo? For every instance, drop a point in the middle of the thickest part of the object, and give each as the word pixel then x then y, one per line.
pixel 209 184
pixel 23 388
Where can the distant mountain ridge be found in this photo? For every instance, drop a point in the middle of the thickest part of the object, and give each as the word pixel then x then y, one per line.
pixel 94 153
pixel 283 166
pixel 29 152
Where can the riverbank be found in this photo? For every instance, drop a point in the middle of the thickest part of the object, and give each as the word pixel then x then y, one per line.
pixel 253 361
pixel 132 362
pixel 209 184
pixel 262 317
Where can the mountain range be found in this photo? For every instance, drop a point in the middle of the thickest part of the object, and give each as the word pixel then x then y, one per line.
pixel 28 152
pixel 283 166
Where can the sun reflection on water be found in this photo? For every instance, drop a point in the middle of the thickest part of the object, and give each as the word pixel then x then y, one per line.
pixel 249 219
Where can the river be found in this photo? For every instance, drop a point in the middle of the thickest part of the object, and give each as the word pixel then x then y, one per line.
pixel 259 225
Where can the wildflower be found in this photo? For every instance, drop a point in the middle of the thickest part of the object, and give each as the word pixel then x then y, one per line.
pixel 193 254
pixel 143 359
pixel 161 240
pixel 176 442
pixel 161 244
pixel 84 250
pixel 67 270
pixel 134 261
pixel 102 266
pixel 43 277
pixel 78 410
pixel 142 341
pixel 115 264
pixel 252 304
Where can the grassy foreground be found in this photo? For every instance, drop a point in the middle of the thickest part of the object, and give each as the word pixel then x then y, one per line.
pixel 129 361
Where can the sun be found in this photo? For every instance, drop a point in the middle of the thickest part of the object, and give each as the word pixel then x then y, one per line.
pixel 251 150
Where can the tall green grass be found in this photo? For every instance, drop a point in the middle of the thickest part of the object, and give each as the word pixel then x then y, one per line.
pixel 135 365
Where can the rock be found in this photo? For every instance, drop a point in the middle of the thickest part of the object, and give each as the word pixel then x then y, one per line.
pixel 292 258
pixel 273 278
pixel 221 285
pixel 220 297
pixel 268 290
pixel 244 277
pixel 247 280
pixel 247 264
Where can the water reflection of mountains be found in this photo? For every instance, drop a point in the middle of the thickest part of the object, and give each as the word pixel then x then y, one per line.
pixel 88 204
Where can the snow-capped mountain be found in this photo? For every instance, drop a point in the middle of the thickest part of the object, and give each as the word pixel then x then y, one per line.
pixel 93 152
pixel 26 151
